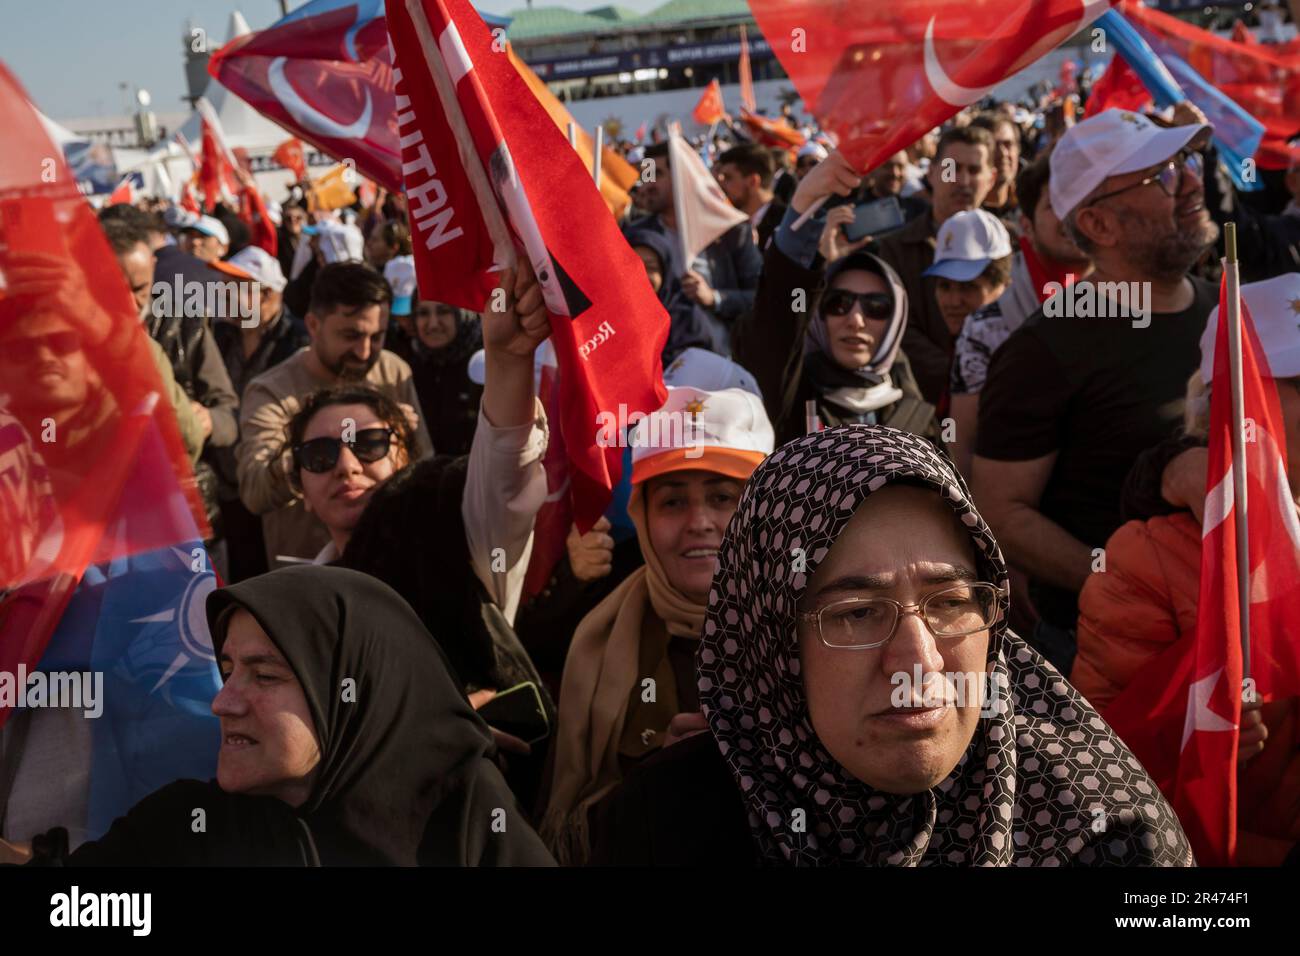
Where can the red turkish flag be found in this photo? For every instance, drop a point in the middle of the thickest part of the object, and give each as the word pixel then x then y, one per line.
pixel 709 109
pixel 489 176
pixel 1181 719
pixel 289 155
pixel 1118 88
pixel 881 75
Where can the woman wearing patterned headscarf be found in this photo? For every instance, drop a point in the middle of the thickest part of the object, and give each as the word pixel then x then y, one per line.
pixel 867 703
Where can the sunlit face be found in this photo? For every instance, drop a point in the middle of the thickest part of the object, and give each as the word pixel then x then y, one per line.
pixel 738 187
pixel 959 299
pixel 854 337
pixel 1144 227
pixel 656 195
pixel 43 367
pixel 888 180
pixel 1048 235
pixel 686 515
pixel 339 496
pixel 960 179
pixel 903 543
pixel 205 247
pixel 348 341
pixel 269 744
pixel 137 267
pixel 435 323
pixel 294 219
pixel 654 269
pixel 1006 152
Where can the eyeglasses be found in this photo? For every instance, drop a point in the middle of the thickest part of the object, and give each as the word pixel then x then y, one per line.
pixel 321 454
pixel 24 350
pixel 1169 176
pixel 860 624
pixel 875 305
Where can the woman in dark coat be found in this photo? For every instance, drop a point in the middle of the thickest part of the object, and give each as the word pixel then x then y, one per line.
pixel 832 335
pixel 827 745
pixel 345 741
pixel 445 339
pixel 688 325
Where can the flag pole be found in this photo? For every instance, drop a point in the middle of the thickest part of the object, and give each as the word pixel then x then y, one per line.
pixel 573 134
pixel 1239 470
pixel 679 200
pixel 596 151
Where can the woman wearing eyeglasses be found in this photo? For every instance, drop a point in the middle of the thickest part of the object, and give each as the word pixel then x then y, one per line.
pixel 867 703
pixel 830 335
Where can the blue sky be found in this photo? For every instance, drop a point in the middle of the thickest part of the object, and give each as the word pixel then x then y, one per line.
pixel 71 55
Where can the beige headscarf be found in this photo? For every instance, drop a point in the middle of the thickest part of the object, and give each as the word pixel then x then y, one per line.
pixel 601 687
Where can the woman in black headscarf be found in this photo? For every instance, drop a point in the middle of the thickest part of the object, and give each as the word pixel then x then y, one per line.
pixel 344 742
pixel 688 325
pixel 842 729
pixel 445 339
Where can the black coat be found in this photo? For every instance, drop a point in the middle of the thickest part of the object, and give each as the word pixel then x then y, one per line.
pixel 679 807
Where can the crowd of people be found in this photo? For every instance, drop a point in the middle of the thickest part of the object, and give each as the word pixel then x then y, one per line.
pixel 904 459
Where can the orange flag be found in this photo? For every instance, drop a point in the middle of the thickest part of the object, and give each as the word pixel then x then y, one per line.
pixel 616 174
pixel 289 155
pixel 709 109
pixel 746 75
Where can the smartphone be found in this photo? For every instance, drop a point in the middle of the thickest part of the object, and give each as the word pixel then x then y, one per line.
pixel 518 711
pixel 873 218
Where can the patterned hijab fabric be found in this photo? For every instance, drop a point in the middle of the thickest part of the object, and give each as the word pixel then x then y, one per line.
pixel 1044 780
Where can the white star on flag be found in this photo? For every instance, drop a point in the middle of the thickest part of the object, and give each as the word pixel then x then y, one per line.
pixel 1199 715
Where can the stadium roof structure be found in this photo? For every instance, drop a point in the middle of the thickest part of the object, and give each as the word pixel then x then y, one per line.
pixel 540 22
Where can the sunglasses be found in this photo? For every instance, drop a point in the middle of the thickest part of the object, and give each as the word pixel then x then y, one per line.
pixel 875 305
pixel 321 454
pixel 25 350
pixel 1169 177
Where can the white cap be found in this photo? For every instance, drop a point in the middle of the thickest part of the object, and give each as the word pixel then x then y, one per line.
pixel 967 242
pixel 1274 306
pixel 700 368
pixel 260 265
pixel 726 432
pixel 340 242
pixel 399 273
pixel 210 226
pixel 1111 143
pixel 812 149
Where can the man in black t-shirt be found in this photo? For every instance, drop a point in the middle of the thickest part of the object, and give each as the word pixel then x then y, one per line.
pixel 1098 374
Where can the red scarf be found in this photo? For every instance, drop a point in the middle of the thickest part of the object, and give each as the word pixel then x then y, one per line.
pixel 1044 271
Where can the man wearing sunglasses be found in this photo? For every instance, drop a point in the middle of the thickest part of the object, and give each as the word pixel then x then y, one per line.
pixel 1071 400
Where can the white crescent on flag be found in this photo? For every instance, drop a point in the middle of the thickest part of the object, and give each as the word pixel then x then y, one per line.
pixel 1199 715
pixel 954 94
pixel 308 115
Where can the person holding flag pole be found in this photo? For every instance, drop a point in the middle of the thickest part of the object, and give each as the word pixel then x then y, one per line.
pixel 1184 641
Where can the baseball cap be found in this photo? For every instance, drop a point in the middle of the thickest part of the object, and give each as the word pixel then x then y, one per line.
pixel 811 149
pixel 210 227
pixel 1111 143
pixel 399 273
pixel 340 242
pixel 1274 306
pixel 726 431
pixel 260 265
pixel 700 368
pixel 968 241
pixel 178 218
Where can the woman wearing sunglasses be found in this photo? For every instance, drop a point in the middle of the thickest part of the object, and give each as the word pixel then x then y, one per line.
pixel 346 441
pixel 867 703
pixel 830 335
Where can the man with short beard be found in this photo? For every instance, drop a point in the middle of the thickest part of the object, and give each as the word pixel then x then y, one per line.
pixel 346 320
pixel 1071 400
pixel 960 176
